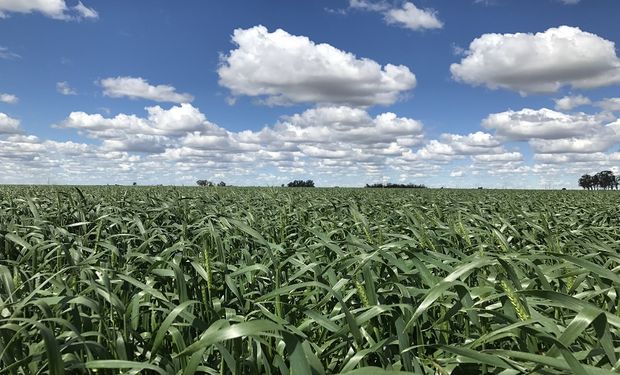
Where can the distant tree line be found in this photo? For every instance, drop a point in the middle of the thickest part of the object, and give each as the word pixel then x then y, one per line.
pixel 602 180
pixel 209 183
pixel 390 185
pixel 301 183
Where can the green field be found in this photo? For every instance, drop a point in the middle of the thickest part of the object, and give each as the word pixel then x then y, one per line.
pixel 163 280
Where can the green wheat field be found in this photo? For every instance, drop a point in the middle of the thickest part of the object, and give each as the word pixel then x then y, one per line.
pixel 171 280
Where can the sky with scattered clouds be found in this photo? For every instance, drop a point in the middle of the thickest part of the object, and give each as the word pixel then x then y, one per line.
pixel 494 93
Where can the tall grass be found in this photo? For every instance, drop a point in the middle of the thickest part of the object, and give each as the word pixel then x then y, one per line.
pixel 186 280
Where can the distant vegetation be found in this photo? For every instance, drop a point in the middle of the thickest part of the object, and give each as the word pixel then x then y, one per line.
pixel 301 183
pixel 209 183
pixel 390 185
pixel 602 180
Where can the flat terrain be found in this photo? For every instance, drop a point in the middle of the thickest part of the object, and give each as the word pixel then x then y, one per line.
pixel 309 281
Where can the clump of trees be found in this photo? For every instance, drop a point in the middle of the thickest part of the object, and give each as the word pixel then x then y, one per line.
pixel 602 180
pixel 204 183
pixel 209 183
pixel 390 185
pixel 301 183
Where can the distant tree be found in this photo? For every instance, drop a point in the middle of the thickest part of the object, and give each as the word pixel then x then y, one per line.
pixel 390 185
pixel 606 179
pixel 135 183
pixel 301 183
pixel 204 183
pixel 595 182
pixel 221 184
pixel 602 180
pixel 585 182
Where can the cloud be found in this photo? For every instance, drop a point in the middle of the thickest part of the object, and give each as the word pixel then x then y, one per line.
pixel 572 159
pixel 411 17
pixel 455 146
pixel 326 141
pixel 570 2
pixel 569 102
pixel 64 88
pixel 374 6
pixel 8 98
pixel 331 144
pixel 137 143
pixel 136 87
pixel 551 132
pixel 56 9
pixel 598 139
pixel 575 145
pixel 8 125
pixel 539 63
pixel 176 121
pixel 27 158
pixel 503 157
pixel 85 12
pixel 281 68
pixel 478 143
pixel 6 54
pixel 337 132
pixel 486 2
pixel 609 104
pixel 543 124
pixel 408 15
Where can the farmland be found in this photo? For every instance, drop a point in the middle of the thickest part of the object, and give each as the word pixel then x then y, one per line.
pixel 165 280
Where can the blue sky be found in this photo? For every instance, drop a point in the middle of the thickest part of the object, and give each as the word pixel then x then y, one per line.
pixel 449 93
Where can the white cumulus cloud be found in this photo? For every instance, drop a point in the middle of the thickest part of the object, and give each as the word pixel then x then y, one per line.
pixel 543 123
pixel 551 132
pixel 375 6
pixel 175 121
pixel 574 145
pixel 327 139
pixel 65 89
pixel 541 62
pixel 56 9
pixel 407 15
pixel 455 146
pixel 326 143
pixel 503 157
pixel 609 104
pixel 567 103
pixel 412 17
pixel 8 125
pixel 282 68
pixel 8 98
pixel 137 87
pixel 340 126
